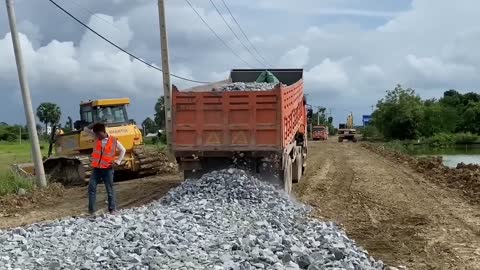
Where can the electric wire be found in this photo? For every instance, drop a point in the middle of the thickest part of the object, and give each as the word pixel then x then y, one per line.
pixel 216 35
pixel 235 34
pixel 243 32
pixel 118 47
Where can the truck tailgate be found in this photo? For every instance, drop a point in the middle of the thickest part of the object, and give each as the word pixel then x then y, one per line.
pixel 227 121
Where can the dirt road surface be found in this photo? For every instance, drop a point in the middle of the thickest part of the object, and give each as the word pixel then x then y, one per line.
pixel 73 201
pixel 390 210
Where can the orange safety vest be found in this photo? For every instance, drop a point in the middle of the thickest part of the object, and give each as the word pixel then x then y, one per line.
pixel 103 158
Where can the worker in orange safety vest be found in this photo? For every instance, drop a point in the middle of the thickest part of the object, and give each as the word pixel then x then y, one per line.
pixel 103 162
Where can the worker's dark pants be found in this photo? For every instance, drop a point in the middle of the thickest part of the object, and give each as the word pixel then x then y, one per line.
pixel 99 175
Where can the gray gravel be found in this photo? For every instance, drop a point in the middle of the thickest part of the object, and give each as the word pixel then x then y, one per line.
pixel 246 86
pixel 225 220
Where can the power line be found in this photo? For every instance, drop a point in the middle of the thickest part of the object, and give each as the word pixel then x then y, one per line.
pixel 216 35
pixel 116 46
pixel 94 14
pixel 243 32
pixel 235 34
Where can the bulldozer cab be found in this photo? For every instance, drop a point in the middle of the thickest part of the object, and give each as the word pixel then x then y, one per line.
pixel 112 112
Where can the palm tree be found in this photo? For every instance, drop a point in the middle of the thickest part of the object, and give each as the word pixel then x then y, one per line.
pixel 49 113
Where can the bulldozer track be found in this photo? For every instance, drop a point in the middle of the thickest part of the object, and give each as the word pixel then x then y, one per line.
pixel 147 162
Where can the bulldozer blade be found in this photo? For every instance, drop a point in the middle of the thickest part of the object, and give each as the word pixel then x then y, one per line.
pixel 67 171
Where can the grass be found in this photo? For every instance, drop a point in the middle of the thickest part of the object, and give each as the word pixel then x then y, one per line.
pixel 158 146
pixel 10 183
pixel 11 153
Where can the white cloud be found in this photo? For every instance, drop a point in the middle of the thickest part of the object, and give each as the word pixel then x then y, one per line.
pixel 297 57
pixel 437 70
pixel 372 72
pixel 89 68
pixel 328 75
pixel 315 33
pixel 314 7
pixel 356 49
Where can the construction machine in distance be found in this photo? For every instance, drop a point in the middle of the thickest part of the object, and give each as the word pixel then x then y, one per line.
pixel 71 163
pixel 347 131
pixel 261 131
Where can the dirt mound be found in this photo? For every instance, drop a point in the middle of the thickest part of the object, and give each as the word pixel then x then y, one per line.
pixel 465 177
pixel 166 165
pixel 13 204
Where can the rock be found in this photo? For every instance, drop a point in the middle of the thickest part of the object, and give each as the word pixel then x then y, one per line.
pixel 304 261
pixel 225 220
pixel 245 86
pixel 339 255
pixel 291 266
pixel 21 192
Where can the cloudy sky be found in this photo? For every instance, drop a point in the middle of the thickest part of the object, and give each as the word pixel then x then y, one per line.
pixel 351 50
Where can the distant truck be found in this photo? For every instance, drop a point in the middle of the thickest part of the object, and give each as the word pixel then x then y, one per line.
pixel 320 132
pixel 347 131
pixel 216 126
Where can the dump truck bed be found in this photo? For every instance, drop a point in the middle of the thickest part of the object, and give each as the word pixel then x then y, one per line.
pixel 216 121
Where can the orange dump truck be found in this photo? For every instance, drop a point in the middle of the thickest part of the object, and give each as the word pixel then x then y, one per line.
pixel 320 132
pixel 263 131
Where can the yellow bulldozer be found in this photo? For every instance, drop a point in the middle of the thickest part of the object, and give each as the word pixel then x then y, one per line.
pixel 71 163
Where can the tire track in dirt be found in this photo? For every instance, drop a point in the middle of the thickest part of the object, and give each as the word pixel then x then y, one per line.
pixel 396 214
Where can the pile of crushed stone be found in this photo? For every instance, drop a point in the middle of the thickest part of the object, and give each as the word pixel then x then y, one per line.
pixel 226 220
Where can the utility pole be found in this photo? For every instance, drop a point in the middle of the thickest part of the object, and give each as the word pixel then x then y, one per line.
pixel 167 87
pixel 27 102
pixel 318 116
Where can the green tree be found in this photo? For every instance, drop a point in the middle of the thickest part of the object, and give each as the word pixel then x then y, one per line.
pixel 159 116
pixel 399 114
pixel 471 118
pixel 149 126
pixel 437 118
pixel 49 113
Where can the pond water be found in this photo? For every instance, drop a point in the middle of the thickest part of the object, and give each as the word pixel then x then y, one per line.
pixel 452 156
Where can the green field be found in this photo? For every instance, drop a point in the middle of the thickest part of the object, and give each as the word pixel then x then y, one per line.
pixel 11 153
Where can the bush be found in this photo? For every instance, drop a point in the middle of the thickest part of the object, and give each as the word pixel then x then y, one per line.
pixel 441 140
pixel 371 132
pixel 466 138
pixel 450 139
pixel 10 183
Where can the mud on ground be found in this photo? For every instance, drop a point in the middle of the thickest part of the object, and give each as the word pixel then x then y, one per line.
pixel 465 177
pixel 390 209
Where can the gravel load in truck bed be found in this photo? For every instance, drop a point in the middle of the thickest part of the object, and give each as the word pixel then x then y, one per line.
pixel 225 220
pixel 245 86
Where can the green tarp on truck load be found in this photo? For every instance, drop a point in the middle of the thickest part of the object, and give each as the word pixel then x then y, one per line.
pixel 267 77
